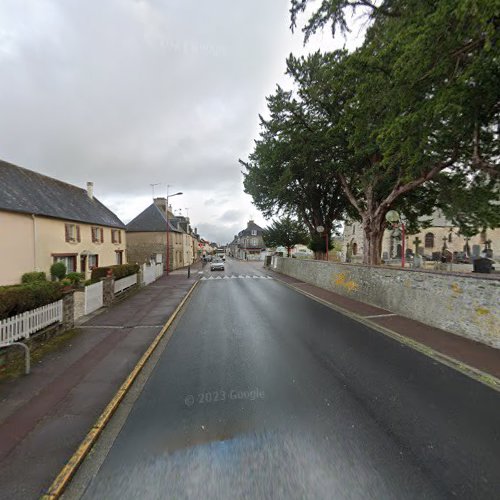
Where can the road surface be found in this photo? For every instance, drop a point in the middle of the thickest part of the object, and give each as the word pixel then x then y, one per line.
pixel 262 392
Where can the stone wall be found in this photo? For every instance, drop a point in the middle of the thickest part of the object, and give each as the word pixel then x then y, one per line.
pixel 464 305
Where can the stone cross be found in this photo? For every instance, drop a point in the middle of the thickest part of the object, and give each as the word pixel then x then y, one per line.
pixel 417 242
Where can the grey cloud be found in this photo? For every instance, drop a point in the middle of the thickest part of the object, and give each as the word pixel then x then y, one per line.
pixel 143 92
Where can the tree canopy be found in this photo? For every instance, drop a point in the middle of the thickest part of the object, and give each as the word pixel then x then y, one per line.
pixel 396 124
pixel 286 232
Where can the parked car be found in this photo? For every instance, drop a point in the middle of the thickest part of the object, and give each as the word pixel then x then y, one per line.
pixel 217 265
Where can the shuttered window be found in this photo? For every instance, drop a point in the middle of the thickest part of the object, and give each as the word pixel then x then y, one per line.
pixel 72 233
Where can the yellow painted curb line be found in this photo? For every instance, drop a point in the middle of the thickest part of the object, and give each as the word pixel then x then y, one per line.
pixel 59 484
pixel 485 378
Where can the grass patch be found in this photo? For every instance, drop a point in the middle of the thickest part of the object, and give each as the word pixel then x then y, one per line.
pixel 39 349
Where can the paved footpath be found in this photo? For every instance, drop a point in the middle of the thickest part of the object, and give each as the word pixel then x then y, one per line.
pixel 45 416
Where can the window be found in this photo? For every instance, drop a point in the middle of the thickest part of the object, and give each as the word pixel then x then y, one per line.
pixel 355 249
pixel 68 260
pixel 97 234
pixel 449 238
pixel 119 256
pixel 72 233
pixel 93 261
pixel 254 232
pixel 116 236
pixel 429 240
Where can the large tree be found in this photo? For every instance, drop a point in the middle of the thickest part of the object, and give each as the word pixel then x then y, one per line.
pixel 421 100
pixel 285 232
pixel 289 171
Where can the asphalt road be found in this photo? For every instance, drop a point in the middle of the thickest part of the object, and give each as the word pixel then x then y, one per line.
pixel 264 393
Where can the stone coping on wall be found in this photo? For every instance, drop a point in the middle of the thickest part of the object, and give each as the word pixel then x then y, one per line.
pixel 491 276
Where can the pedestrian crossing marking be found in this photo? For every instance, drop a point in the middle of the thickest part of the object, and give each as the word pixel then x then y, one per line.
pixel 233 277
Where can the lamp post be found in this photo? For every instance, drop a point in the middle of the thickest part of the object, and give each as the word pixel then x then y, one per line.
pixel 321 230
pixel 168 231
pixel 395 219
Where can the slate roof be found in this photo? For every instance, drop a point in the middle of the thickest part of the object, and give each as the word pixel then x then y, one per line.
pixel 25 191
pixel 250 227
pixel 150 220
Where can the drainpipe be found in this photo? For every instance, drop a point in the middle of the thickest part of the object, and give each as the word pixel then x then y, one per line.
pixel 34 242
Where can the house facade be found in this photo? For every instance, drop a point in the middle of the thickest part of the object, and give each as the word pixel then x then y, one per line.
pixel 44 220
pixel 248 243
pixel 429 241
pixel 147 237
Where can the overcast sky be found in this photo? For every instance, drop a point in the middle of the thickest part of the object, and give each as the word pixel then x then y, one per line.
pixel 129 93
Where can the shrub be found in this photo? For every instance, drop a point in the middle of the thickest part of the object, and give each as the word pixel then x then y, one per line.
pixel 75 278
pixel 17 299
pixel 33 277
pixel 58 270
pixel 119 271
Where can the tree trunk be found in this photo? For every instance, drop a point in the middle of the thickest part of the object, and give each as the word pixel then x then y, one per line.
pixel 374 234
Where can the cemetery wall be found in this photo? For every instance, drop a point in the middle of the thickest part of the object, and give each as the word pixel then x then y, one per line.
pixel 467 305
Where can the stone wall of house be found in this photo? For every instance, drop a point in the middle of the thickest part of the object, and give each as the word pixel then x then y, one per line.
pixel 464 305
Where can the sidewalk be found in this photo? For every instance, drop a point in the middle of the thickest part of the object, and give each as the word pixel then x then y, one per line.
pixel 45 416
pixel 459 350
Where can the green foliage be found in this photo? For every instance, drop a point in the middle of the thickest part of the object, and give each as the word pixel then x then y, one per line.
pixel 395 124
pixel 20 298
pixel 33 277
pixel 58 270
pixel 286 232
pixel 118 271
pixel 75 278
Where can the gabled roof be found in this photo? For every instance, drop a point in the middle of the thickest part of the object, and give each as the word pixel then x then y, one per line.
pixel 251 226
pixel 151 220
pixel 25 191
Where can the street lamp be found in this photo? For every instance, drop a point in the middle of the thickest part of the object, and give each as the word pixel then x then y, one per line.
pixel 321 230
pixel 395 219
pixel 168 231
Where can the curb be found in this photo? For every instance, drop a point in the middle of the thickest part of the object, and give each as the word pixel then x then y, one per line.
pixel 485 378
pixel 56 489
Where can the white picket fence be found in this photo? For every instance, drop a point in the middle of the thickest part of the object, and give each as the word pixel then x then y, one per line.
pixel 159 270
pixel 23 325
pixel 151 273
pixel 93 297
pixel 148 274
pixel 125 283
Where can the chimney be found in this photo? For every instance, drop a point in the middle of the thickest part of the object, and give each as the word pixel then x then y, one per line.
pixel 90 190
pixel 161 203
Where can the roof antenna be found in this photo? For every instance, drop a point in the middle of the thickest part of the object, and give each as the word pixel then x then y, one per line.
pixel 153 188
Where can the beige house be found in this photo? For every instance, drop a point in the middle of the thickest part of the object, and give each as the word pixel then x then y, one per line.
pixel 430 241
pixel 44 220
pixel 147 237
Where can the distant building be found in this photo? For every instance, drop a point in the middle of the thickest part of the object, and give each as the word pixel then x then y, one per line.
pixel 248 243
pixel 147 237
pixel 44 220
pixel 440 234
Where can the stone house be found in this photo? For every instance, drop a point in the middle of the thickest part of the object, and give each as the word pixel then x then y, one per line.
pixel 440 234
pixel 248 243
pixel 44 220
pixel 147 237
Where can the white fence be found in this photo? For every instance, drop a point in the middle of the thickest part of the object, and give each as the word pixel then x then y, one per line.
pixel 125 283
pixel 148 274
pixel 151 273
pixel 23 325
pixel 158 270
pixel 93 297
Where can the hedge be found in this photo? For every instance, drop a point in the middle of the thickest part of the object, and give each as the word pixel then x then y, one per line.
pixel 17 299
pixel 119 271
pixel 33 277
